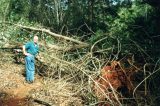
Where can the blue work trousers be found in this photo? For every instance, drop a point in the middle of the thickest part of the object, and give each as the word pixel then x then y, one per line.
pixel 30 68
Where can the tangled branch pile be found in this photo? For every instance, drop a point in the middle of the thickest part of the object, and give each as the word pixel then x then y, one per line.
pixel 69 74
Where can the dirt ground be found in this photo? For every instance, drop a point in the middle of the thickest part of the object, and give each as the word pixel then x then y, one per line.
pixel 14 91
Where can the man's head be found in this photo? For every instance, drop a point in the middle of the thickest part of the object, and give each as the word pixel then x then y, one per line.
pixel 35 39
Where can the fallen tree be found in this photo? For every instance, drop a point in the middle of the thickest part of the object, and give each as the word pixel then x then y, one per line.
pixel 48 32
pixel 75 45
pixel 51 33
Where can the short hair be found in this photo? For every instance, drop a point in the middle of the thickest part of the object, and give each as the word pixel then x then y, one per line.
pixel 35 36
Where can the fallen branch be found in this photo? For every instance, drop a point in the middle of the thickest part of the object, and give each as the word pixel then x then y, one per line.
pixel 78 44
pixel 53 34
pixel 41 102
pixel 65 49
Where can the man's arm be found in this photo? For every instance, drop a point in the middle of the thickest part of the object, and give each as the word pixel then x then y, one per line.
pixel 24 51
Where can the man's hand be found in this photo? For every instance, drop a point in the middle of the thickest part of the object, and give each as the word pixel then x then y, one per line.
pixel 24 51
pixel 27 54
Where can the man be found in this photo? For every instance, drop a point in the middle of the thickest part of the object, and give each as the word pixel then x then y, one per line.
pixel 30 50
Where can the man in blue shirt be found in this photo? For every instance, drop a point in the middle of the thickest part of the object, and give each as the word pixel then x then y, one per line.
pixel 30 50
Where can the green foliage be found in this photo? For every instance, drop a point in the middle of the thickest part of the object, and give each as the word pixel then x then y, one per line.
pixel 4 5
pixel 123 25
pixel 106 18
pixel 18 9
pixel 99 34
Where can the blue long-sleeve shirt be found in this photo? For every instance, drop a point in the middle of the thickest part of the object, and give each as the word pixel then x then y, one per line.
pixel 32 48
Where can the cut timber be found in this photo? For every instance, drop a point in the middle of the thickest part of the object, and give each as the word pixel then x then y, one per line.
pixel 53 34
